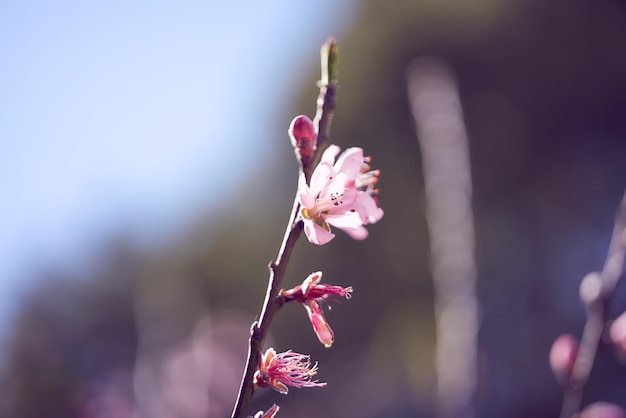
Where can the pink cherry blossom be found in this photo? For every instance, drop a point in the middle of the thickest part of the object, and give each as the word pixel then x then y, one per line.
pixel 341 194
pixel 311 293
pixel 285 369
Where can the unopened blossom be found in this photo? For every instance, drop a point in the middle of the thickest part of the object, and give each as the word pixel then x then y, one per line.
pixel 285 369
pixel 311 294
pixel 303 137
pixel 341 194
pixel 563 356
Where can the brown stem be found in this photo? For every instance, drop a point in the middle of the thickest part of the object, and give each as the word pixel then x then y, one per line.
pixel 260 328
pixel 596 304
pixel 325 107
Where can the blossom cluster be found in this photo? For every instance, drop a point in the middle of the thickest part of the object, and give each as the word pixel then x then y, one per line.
pixel 341 193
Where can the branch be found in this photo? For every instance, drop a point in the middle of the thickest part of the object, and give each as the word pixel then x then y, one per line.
pixel 596 292
pixel 260 329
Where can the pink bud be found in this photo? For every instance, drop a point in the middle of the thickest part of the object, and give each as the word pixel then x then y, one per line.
pixel 563 355
pixel 617 334
pixel 602 410
pixel 303 136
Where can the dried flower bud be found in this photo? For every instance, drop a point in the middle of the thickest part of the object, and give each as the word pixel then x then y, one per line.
pixel 271 413
pixel 602 410
pixel 279 370
pixel 563 355
pixel 311 293
pixel 303 136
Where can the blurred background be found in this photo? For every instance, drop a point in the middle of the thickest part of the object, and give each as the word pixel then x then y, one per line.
pixel 147 178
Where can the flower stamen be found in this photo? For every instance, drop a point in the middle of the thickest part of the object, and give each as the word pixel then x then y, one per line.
pixel 285 369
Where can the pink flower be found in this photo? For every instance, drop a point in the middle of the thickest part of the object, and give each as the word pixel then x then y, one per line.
pixel 285 369
pixel 340 194
pixel 311 294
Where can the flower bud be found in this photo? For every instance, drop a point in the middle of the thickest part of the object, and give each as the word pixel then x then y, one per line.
pixel 617 334
pixel 563 355
pixel 602 410
pixel 279 370
pixel 303 136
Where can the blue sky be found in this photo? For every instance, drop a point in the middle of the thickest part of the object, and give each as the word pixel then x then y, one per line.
pixel 117 116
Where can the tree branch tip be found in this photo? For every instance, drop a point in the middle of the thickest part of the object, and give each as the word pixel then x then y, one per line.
pixel 329 54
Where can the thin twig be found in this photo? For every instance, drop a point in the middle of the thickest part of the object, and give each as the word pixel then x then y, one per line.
pixel 596 291
pixel 260 329
pixel 325 108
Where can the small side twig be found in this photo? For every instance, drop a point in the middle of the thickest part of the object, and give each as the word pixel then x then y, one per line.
pixel 596 291
pixel 259 330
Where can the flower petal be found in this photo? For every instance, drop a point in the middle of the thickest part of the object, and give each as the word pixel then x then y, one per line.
pixel 321 178
pixel 305 197
pixel 358 234
pixel 350 162
pixel 330 154
pixel 315 233
pixel 320 326
pixel 346 220
pixel 311 281
pixel 271 413
pixel 367 207
pixel 279 387
pixel 266 358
